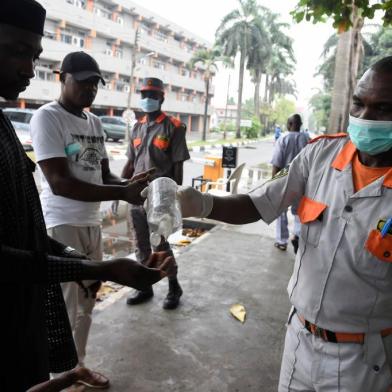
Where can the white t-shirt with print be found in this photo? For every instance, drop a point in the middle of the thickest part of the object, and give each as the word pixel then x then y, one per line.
pixel 57 133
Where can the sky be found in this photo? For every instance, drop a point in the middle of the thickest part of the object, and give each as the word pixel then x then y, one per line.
pixel 202 17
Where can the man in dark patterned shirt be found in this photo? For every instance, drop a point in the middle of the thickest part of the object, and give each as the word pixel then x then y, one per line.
pixel 35 331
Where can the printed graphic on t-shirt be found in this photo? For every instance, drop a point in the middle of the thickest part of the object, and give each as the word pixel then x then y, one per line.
pixel 91 153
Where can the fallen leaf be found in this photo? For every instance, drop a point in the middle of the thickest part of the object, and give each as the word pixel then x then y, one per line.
pixel 239 312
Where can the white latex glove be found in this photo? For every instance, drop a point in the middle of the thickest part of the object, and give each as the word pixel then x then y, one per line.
pixel 194 203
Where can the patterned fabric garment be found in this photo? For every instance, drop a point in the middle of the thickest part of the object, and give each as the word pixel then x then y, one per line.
pixel 36 333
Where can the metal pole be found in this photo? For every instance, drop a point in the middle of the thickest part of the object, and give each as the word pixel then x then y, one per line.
pixel 227 102
pixel 133 63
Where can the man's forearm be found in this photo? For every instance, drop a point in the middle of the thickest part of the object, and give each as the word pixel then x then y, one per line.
pixel 112 179
pixel 235 209
pixel 75 189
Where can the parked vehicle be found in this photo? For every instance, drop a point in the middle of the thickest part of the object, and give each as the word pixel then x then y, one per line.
pixel 114 127
pixel 20 119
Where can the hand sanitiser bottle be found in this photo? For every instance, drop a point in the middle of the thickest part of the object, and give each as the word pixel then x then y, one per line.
pixel 163 209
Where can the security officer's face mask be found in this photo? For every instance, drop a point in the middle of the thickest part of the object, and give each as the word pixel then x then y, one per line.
pixel 369 136
pixel 149 105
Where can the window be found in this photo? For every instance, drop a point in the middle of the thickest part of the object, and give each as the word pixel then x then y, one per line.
pixel 189 48
pixel 103 13
pixel 66 37
pixel 184 72
pixel 145 29
pixel 50 34
pixel 161 36
pixel 78 3
pixel 158 64
pixel 118 52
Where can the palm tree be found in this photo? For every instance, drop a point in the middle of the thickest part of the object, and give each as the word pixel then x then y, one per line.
pixel 239 32
pixel 207 59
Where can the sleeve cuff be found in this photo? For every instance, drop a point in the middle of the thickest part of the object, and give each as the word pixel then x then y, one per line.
pixel 263 204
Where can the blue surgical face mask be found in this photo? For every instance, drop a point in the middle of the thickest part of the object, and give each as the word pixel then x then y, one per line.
pixel 150 105
pixel 371 137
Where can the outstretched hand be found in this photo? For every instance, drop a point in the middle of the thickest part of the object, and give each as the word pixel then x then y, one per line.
pixel 133 274
pixel 136 185
pixel 165 263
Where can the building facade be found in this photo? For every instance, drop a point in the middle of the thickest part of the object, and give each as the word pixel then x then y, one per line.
pixel 117 33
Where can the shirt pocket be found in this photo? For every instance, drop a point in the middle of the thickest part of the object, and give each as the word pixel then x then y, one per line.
pixel 380 247
pixel 375 260
pixel 161 142
pixel 136 142
pixel 310 213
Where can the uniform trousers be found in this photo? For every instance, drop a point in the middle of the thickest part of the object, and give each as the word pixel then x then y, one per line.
pixel 311 364
pixel 88 241
pixel 142 234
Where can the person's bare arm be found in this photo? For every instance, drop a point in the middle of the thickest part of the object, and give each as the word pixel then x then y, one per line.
pixel 234 209
pixel 108 177
pixel 63 183
pixel 128 169
pixel 178 172
pixel 275 170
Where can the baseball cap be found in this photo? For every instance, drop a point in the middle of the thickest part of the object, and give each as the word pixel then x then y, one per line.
pixel 152 84
pixel 81 66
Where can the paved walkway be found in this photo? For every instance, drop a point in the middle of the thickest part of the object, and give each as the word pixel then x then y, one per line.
pixel 200 347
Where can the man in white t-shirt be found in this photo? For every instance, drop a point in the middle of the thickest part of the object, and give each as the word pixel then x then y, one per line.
pixel 69 147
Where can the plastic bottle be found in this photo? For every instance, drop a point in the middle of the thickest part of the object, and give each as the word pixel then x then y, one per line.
pixel 163 209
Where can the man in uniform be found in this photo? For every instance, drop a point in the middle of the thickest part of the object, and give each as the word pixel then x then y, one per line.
pixel 339 334
pixel 157 141
pixel 286 149
pixel 35 331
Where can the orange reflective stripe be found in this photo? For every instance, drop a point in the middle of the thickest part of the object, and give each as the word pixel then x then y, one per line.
pixel 176 122
pixel 388 179
pixel 160 118
pixel 379 246
pixel 332 136
pixel 160 143
pixel 309 210
pixel 137 142
pixel 345 156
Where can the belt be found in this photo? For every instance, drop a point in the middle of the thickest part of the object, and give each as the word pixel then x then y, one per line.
pixel 337 337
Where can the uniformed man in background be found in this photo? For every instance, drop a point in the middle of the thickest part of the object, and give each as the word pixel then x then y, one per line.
pixel 157 141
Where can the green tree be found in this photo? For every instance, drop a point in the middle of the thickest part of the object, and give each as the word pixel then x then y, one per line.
pixel 341 11
pixel 238 33
pixel 208 59
pixel 321 105
pixel 282 109
pixel 348 17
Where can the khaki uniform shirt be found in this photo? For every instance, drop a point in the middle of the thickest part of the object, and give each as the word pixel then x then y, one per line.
pixel 342 278
pixel 160 144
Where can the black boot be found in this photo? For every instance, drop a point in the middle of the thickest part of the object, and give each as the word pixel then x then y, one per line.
pixel 295 243
pixel 173 296
pixel 140 296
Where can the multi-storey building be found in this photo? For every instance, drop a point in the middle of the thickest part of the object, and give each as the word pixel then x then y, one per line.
pixel 107 30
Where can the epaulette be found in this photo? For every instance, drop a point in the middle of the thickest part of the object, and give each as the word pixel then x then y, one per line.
pixel 176 122
pixel 331 136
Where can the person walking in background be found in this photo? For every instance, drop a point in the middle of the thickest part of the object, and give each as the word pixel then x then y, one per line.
pixel 278 132
pixel 157 141
pixel 69 147
pixel 286 149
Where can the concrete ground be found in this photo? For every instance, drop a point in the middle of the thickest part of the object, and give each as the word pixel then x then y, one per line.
pixel 200 347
